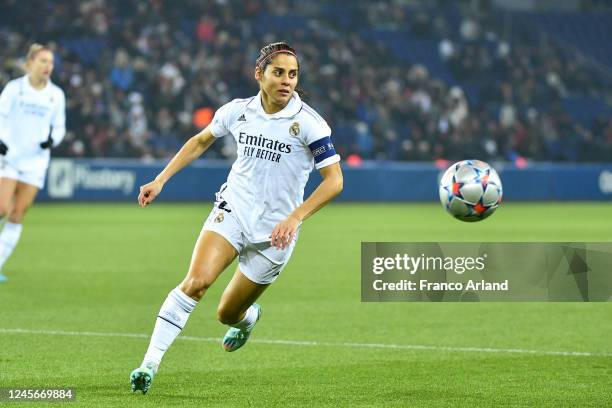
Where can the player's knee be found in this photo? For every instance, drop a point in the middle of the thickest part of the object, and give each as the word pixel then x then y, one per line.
pixel 17 214
pixel 195 287
pixel 227 315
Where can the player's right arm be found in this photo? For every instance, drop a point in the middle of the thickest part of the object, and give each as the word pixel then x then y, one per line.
pixel 190 151
pixel 6 101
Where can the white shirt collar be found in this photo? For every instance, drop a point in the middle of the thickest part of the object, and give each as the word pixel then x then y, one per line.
pixel 292 108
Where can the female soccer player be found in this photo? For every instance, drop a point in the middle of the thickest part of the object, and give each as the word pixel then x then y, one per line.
pixel 258 211
pixel 32 121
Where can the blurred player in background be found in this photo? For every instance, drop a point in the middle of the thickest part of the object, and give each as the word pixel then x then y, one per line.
pixel 258 211
pixel 32 121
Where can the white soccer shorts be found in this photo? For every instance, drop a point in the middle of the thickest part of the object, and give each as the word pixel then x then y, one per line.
pixel 35 176
pixel 260 262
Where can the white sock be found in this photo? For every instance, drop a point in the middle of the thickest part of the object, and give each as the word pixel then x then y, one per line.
pixel 250 318
pixel 8 240
pixel 171 319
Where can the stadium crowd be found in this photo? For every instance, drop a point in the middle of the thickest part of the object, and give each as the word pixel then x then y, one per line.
pixel 142 76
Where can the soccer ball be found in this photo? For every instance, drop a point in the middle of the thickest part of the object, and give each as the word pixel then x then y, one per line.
pixel 470 190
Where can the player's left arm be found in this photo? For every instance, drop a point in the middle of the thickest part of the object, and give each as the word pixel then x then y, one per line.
pixel 58 125
pixel 330 187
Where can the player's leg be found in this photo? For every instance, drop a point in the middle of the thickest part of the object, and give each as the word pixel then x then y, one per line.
pixel 238 309
pixel 211 255
pixel 24 195
pixel 260 265
pixel 7 194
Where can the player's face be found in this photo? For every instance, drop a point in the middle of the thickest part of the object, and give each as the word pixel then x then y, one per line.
pixel 41 66
pixel 279 79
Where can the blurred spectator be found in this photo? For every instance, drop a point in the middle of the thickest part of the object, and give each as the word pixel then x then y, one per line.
pixel 122 75
pixel 458 107
pixel 141 76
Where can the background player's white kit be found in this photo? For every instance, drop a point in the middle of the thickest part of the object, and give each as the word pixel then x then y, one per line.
pixel 27 116
pixel 32 121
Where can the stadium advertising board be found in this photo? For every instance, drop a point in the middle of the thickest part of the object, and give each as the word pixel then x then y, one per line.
pixel 119 180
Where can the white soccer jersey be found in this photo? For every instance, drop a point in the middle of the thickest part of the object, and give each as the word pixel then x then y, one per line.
pixel 276 153
pixel 26 117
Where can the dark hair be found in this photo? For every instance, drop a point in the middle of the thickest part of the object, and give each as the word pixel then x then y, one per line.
pixel 269 51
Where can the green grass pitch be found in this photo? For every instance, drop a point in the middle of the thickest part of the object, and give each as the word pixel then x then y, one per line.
pixel 87 280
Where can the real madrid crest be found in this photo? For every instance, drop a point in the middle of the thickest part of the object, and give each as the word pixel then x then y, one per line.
pixel 294 130
pixel 219 218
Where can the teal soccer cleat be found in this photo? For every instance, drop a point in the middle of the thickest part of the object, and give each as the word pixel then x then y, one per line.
pixel 236 338
pixel 3 278
pixel 142 376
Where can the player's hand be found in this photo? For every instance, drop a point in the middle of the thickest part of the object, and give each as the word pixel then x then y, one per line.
pixel 47 144
pixel 149 192
pixel 284 231
pixel 3 148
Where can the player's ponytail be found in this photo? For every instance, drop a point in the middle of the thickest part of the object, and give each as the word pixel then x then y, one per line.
pixel 269 51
